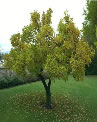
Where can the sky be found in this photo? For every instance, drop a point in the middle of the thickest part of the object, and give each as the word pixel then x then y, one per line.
pixel 15 14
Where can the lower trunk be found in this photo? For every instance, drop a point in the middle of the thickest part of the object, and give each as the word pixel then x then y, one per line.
pixel 48 98
pixel 47 89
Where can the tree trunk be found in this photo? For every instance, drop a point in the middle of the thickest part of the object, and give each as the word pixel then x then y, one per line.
pixel 47 89
pixel 48 95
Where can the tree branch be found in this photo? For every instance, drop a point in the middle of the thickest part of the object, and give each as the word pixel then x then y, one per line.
pixel 49 83
pixel 43 81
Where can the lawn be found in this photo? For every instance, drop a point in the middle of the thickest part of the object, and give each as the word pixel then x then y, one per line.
pixel 72 102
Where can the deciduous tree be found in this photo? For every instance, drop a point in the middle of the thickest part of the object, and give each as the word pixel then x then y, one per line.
pixel 38 49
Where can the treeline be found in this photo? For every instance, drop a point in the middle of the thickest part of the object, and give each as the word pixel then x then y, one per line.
pixel 89 33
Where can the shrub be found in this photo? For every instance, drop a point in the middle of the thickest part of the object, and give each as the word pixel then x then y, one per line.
pixel 6 81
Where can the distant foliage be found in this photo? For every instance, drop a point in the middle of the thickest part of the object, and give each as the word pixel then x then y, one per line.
pixel 1 56
pixel 89 32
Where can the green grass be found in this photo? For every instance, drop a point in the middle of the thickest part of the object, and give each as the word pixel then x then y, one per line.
pixel 73 102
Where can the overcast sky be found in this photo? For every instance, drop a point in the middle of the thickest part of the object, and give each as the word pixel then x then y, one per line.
pixel 15 14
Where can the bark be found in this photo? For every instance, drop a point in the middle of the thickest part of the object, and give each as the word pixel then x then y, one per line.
pixel 48 95
pixel 47 89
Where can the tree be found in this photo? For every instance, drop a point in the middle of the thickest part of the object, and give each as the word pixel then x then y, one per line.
pixel 96 37
pixel 1 55
pixel 38 49
pixel 89 30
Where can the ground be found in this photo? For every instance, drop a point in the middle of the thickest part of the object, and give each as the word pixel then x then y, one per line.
pixel 72 102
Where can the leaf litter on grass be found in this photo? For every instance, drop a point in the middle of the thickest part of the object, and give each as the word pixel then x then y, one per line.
pixel 66 108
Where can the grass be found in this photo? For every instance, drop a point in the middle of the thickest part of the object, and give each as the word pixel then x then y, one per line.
pixel 73 102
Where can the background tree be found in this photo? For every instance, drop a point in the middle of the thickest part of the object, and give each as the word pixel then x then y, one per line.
pixel 89 32
pixel 1 55
pixel 37 50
